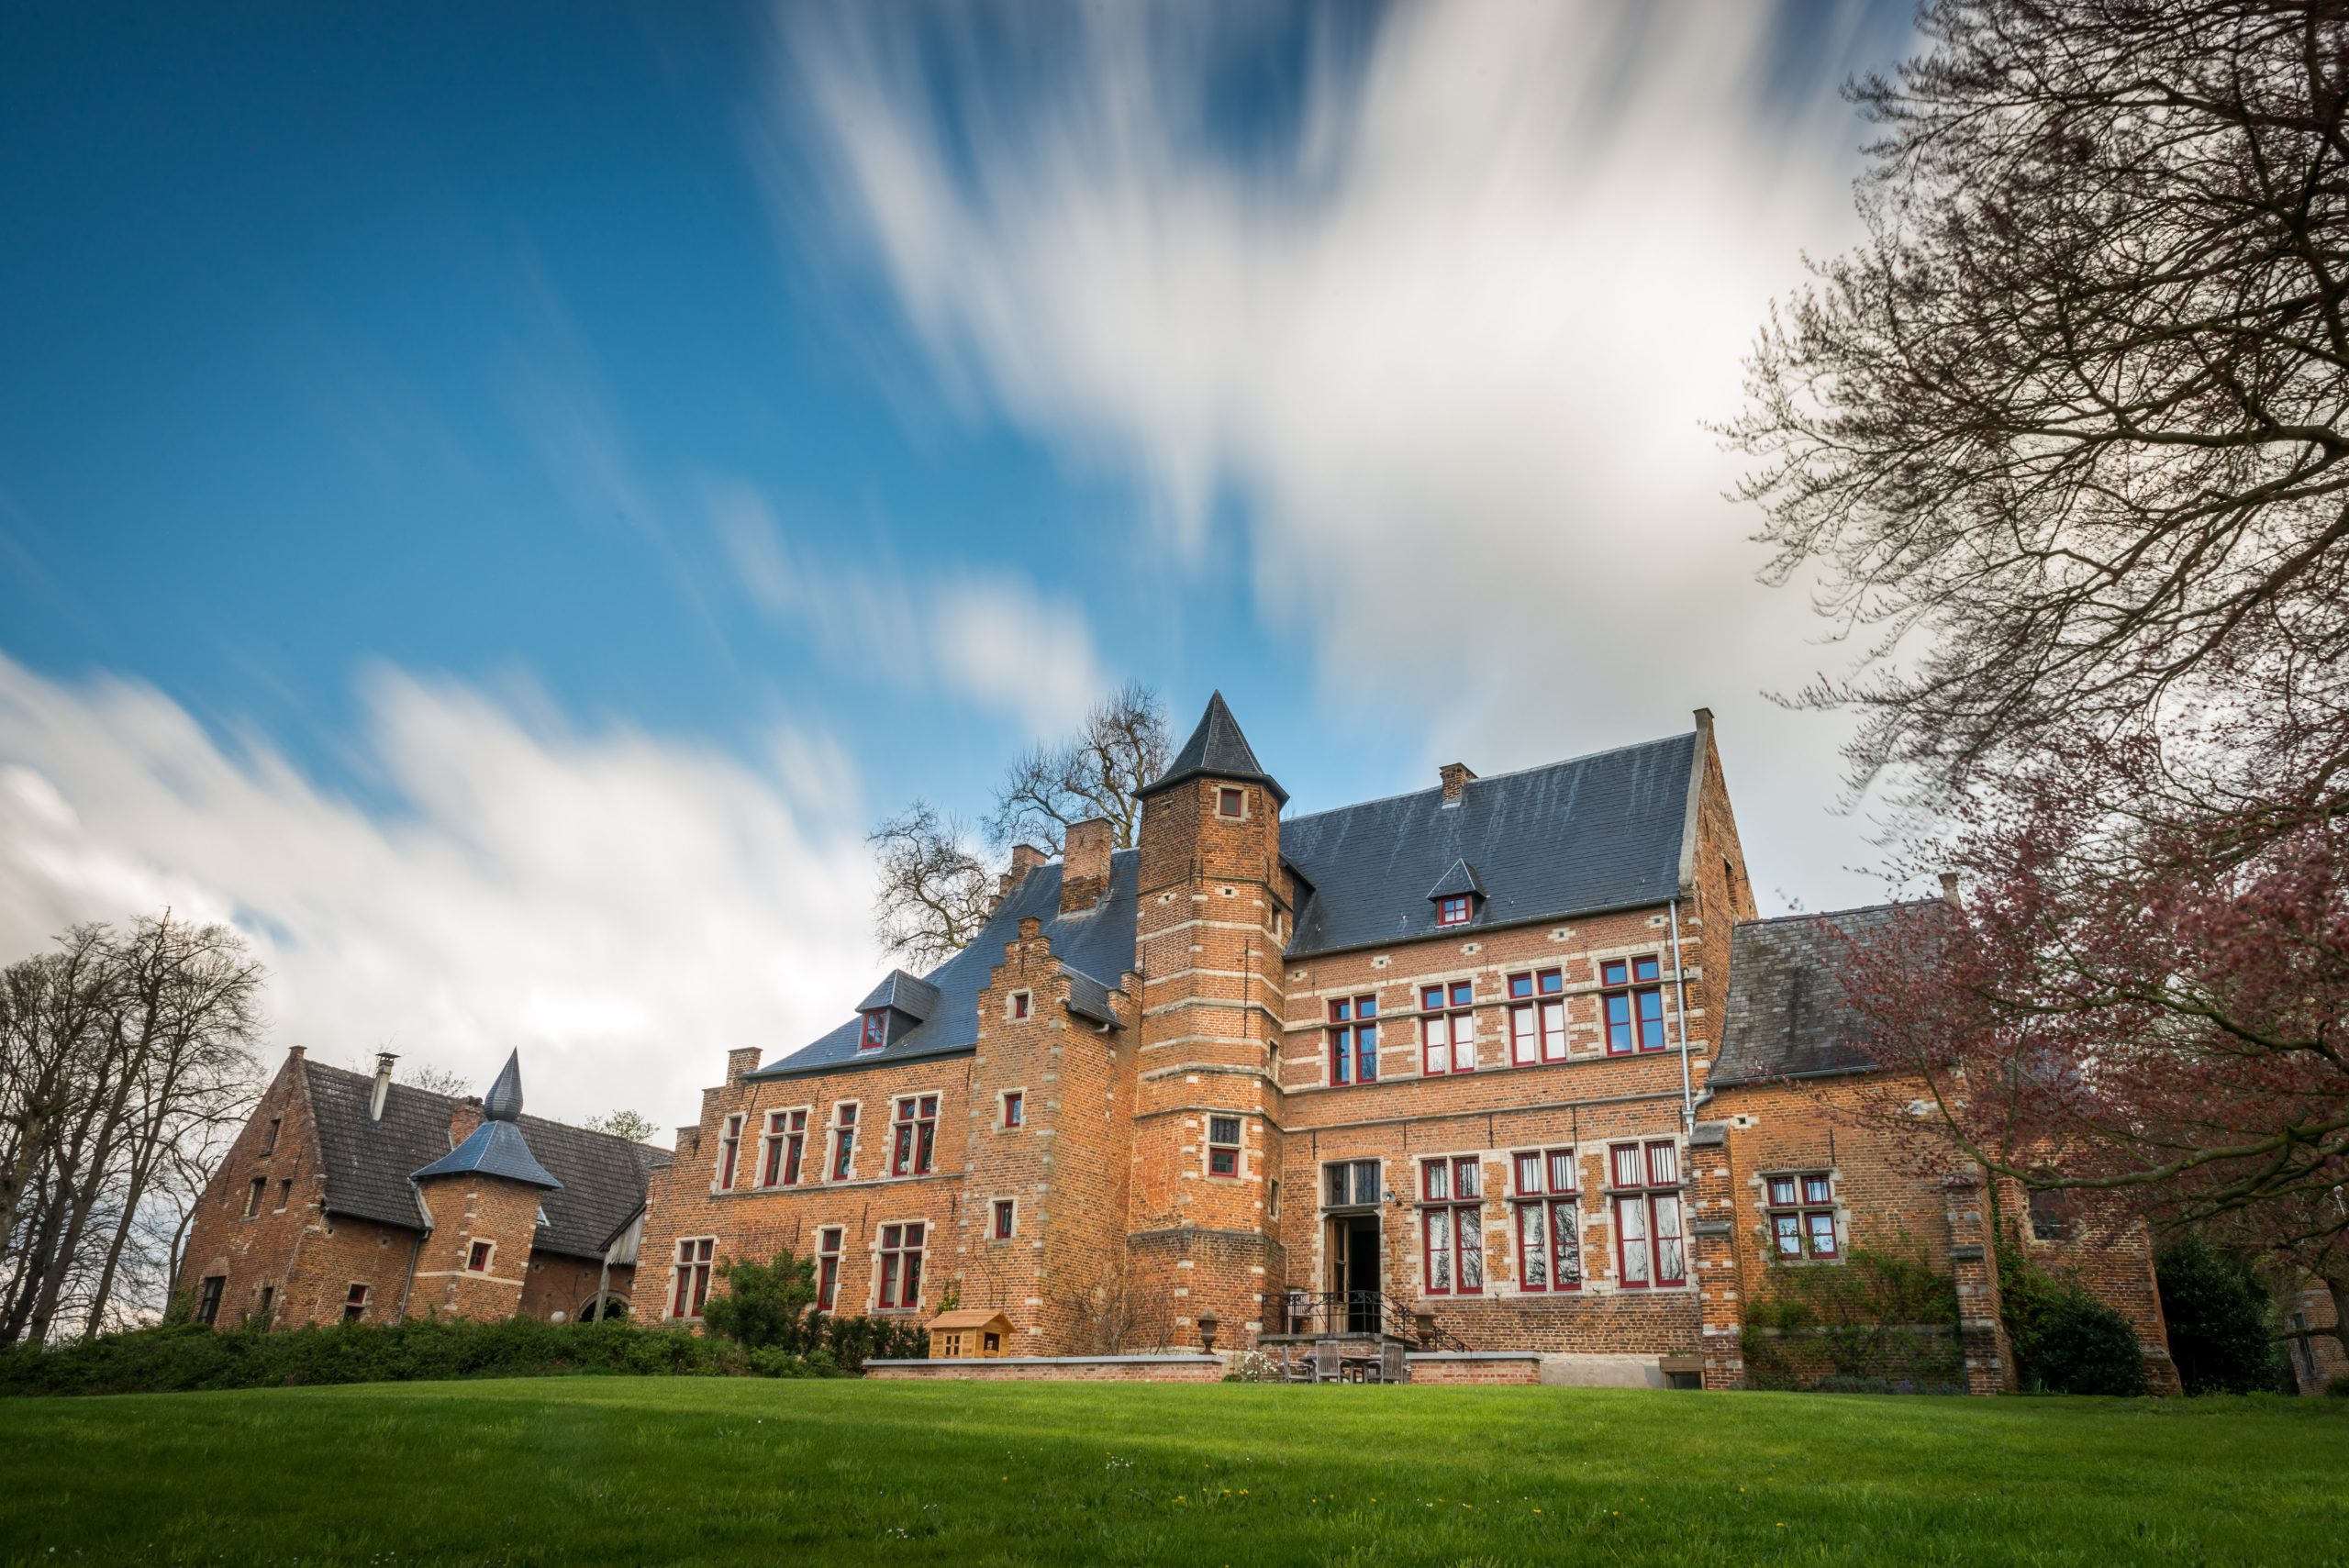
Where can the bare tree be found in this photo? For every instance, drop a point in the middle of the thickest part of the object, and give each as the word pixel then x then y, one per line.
pixel 438 1080
pixel 935 892
pixel 126 1051
pixel 2066 435
pixel 936 889
pixel 1098 772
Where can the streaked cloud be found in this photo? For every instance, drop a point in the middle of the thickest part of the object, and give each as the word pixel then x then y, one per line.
pixel 984 635
pixel 623 905
pixel 1448 341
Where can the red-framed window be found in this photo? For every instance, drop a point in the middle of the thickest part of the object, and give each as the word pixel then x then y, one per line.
pixel 1448 1028
pixel 875 1033
pixel 1353 1039
pixel 477 1257
pixel 1223 1146
pixel 1649 1249
pixel 693 1275
pixel 1014 1108
pixel 729 1146
pixel 1633 1005
pixel 913 1147
pixel 1454 910
pixel 1229 802
pixel 1007 1218
pixel 354 1305
pixel 1020 1001
pixel 1451 1226
pixel 901 1250
pixel 1537 1017
pixel 843 1140
pixel 828 1266
pixel 1802 1215
pixel 787 1147
pixel 1549 1219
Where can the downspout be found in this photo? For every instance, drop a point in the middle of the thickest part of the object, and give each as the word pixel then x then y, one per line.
pixel 1680 984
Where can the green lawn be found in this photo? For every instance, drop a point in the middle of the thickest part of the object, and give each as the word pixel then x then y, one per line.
pixel 589 1469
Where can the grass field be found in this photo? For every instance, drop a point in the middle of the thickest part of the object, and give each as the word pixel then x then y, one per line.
pixel 591 1470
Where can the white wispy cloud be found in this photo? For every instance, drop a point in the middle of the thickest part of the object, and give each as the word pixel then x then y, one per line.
pixel 984 635
pixel 622 906
pixel 1450 345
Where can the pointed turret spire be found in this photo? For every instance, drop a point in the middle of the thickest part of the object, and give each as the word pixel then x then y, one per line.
pixel 504 1101
pixel 1217 750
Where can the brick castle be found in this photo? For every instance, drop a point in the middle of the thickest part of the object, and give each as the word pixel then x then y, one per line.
pixel 1508 1064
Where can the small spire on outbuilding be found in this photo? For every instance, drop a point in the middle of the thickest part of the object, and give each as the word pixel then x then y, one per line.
pixel 497 1148
pixel 504 1101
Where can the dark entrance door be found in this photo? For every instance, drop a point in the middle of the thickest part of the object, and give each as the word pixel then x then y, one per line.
pixel 1353 1272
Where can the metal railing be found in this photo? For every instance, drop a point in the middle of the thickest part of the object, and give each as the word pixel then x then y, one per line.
pixel 1364 1312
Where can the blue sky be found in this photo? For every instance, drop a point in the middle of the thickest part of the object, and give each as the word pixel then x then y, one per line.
pixel 497 500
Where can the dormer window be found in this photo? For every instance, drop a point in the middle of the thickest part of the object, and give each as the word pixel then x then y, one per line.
pixel 876 1031
pixel 1231 803
pixel 1454 911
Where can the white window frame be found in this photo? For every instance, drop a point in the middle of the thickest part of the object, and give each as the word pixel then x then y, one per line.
pixel 730 1132
pixel 768 1138
pixel 832 1142
pixel 489 1263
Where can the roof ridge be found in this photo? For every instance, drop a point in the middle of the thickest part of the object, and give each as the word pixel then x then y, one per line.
pixel 1829 914
pixel 1488 778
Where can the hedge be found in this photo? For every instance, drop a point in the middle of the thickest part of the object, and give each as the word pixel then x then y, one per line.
pixel 188 1356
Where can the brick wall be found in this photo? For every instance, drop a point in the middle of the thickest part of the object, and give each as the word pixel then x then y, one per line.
pixel 466 1208
pixel 752 1221
pixel 2317 1360
pixel 1212 902
pixel 304 1261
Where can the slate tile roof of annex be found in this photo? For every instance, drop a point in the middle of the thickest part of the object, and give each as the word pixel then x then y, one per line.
pixel 1787 1016
pixel 1551 842
pixel 368 1162
pixel 1095 942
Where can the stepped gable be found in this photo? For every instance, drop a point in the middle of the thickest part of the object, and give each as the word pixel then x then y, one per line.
pixel 1549 843
pixel 1093 942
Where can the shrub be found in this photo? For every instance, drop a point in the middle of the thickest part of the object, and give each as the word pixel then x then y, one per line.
pixel 764 1305
pixel 2337 1386
pixel 2064 1340
pixel 177 1357
pixel 2222 1333
pixel 1882 1321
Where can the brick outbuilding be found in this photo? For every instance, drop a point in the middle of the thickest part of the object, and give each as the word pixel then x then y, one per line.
pixel 347 1198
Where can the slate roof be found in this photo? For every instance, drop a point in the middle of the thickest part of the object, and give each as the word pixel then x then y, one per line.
pixel 1787 1016
pixel 367 1163
pixel 914 997
pixel 1572 838
pixel 1091 942
pixel 1215 750
pixel 1088 997
pixel 1461 878
pixel 495 1147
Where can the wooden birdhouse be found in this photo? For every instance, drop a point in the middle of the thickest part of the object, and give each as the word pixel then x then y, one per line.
pixel 970 1331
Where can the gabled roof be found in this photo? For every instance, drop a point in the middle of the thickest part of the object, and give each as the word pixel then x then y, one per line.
pixel 1567 839
pixel 914 998
pixel 1787 1015
pixel 1091 942
pixel 1459 878
pixel 367 1163
pixel 1215 750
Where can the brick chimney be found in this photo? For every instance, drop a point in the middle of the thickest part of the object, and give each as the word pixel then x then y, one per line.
pixel 1455 781
pixel 1025 858
pixel 1085 865
pixel 384 1060
pixel 1949 890
pixel 464 1117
